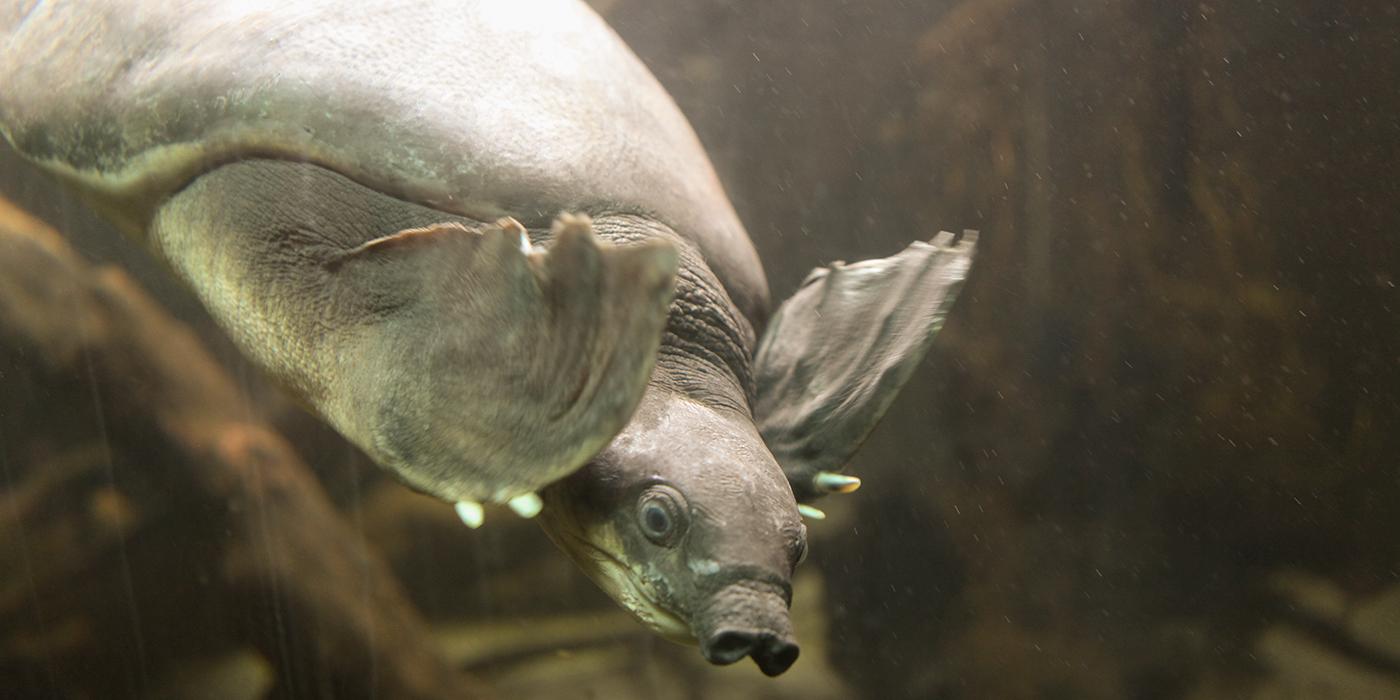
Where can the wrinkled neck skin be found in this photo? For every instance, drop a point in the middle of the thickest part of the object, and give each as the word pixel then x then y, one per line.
pixel 685 518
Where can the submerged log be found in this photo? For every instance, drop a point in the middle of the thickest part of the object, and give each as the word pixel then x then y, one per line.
pixel 148 519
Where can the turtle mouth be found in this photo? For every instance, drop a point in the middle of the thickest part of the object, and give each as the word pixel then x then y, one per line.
pixel 622 582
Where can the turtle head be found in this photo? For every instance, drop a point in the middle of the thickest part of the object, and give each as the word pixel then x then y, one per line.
pixel 686 517
pixel 687 520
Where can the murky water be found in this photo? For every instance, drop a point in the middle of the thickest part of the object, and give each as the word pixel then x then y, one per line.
pixel 1151 453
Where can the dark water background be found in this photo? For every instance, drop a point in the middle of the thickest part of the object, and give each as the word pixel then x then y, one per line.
pixel 1155 452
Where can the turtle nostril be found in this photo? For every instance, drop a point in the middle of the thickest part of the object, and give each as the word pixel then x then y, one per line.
pixel 728 646
pixel 774 655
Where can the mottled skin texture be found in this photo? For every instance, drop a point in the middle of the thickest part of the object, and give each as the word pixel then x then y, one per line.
pixel 328 178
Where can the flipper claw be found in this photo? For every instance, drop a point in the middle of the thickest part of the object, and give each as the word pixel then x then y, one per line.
pixel 578 223
pixel 810 513
pixel 510 225
pixel 831 482
pixel 526 506
pixel 471 513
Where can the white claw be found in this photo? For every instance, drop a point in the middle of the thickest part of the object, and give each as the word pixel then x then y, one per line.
pixel 832 482
pixel 471 513
pixel 809 512
pixel 527 506
pixel 509 224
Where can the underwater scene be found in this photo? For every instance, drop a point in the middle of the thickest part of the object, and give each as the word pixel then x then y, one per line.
pixel 945 349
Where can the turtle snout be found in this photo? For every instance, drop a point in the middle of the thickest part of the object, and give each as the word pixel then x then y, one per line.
pixel 748 618
pixel 773 653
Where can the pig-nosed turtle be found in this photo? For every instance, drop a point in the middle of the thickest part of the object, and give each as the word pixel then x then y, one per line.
pixel 361 194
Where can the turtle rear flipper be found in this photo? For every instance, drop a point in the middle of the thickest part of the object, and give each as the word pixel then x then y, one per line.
pixel 473 365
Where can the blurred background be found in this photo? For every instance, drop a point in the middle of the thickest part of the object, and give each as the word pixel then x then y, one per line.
pixel 1155 453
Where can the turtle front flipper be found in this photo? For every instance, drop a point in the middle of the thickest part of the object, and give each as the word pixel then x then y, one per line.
pixel 838 351
pixel 455 353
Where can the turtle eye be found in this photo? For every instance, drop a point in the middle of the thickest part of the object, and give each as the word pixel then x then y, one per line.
pixel 661 515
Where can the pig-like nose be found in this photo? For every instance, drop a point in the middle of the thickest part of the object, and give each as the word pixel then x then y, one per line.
pixel 772 653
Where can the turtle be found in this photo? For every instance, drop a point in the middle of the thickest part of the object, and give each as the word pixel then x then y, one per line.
pixel 482 242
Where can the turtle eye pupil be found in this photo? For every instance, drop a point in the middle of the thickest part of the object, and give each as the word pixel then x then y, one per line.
pixel 661 515
pixel 657 521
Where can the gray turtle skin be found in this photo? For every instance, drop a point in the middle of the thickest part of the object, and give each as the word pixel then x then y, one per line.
pixel 478 108
pixel 369 199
